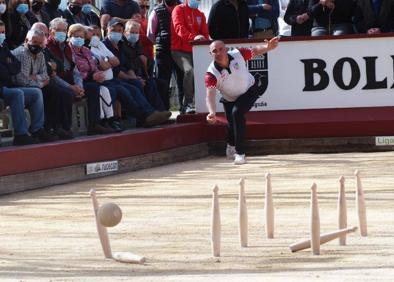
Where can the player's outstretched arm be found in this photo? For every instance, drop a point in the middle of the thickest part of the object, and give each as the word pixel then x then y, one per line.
pixel 266 47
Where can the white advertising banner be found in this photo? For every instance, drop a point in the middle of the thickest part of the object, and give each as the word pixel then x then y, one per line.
pixel 315 74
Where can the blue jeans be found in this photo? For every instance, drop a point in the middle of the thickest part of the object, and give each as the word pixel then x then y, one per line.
pixel 336 29
pixel 131 98
pixel 25 97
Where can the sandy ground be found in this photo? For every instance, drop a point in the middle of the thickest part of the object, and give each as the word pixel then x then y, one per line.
pixel 50 234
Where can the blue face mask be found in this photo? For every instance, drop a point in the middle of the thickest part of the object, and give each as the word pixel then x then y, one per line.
pixel 60 36
pixel 77 41
pixel 194 4
pixel 133 37
pixel 86 9
pixel 22 8
pixel 115 36
pixel 2 38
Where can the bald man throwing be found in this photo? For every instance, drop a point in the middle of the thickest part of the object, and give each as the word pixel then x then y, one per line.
pixel 229 74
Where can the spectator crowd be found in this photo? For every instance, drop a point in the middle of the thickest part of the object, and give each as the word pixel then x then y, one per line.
pixel 121 59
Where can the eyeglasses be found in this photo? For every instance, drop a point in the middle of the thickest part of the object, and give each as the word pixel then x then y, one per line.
pixel 144 7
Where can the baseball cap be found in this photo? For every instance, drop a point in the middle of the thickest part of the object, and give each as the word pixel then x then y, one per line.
pixel 114 22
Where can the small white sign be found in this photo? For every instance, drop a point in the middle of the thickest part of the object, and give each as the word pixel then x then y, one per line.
pixel 102 167
pixel 384 140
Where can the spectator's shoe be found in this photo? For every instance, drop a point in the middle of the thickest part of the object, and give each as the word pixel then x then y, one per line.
pixel 230 152
pixel 24 139
pixel 99 129
pixel 63 134
pixel 116 125
pixel 157 118
pixel 239 159
pixel 43 136
pixel 189 110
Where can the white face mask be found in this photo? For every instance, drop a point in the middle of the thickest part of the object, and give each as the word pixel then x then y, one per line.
pixel 3 7
pixel 94 41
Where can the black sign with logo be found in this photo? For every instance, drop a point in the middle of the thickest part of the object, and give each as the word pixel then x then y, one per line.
pixel 258 67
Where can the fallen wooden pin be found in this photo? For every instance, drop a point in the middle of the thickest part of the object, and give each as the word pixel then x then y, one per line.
pixel 324 238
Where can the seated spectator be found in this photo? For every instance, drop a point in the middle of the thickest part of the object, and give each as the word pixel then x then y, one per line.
pixel 136 65
pixel 59 49
pixel 187 23
pixel 33 74
pixel 374 17
pixel 296 15
pixel 90 16
pixel 73 12
pixel 331 18
pixel 58 95
pixel 51 8
pixel 80 11
pixel 92 80
pixel 18 98
pixel 229 19
pixel 133 83
pixel 264 14
pixel 39 14
pixel 3 12
pixel 20 22
pixel 123 10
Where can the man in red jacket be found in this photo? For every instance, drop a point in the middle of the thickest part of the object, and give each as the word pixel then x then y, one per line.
pixel 187 24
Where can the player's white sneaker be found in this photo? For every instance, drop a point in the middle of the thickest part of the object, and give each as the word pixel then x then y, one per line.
pixel 239 159
pixel 230 152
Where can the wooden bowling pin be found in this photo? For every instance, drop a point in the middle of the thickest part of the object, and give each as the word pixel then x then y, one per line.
pixel 360 206
pixel 215 223
pixel 101 230
pixel 269 208
pixel 242 215
pixel 324 238
pixel 342 212
pixel 315 222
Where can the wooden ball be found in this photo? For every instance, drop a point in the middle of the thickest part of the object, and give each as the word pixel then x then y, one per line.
pixel 109 214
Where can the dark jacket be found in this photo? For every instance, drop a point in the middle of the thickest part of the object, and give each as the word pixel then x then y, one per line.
pixel 163 35
pixel 45 18
pixel 59 55
pixel 295 8
pixel 52 11
pixel 18 28
pixel 9 66
pixel 225 21
pixel 343 13
pixel 256 10
pixel 89 19
pixel 365 17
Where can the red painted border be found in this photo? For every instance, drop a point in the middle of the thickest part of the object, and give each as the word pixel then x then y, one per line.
pixel 193 129
pixel 17 160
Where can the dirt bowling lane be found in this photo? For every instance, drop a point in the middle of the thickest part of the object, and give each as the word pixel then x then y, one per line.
pixel 50 234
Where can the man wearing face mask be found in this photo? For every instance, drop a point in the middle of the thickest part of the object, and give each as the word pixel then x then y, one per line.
pixel 20 22
pixel 74 14
pixel 33 70
pixel 36 9
pixel 51 7
pixel 58 95
pixel 124 73
pixel 91 17
pixel 19 98
pixel 188 23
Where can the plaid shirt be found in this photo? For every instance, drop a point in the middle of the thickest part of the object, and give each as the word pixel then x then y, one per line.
pixel 30 66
